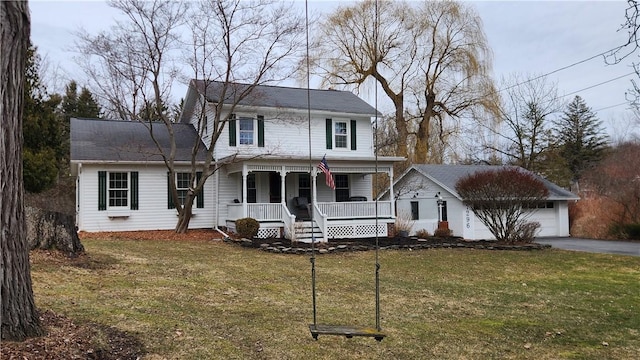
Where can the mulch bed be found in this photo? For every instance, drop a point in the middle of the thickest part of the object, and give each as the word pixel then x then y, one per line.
pixel 383 243
pixel 66 339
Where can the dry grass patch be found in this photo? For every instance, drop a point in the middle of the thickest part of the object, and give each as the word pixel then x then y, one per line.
pixel 211 300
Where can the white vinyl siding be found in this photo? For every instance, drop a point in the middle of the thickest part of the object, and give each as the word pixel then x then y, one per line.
pixel 152 213
pixel 554 220
pixel 286 133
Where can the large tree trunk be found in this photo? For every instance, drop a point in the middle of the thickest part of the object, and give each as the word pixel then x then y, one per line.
pixel 19 315
pixel 184 217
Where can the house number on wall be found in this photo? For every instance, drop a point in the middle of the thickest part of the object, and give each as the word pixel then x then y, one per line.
pixel 468 218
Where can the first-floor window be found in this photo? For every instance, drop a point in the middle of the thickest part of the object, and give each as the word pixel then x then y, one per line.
pixel 118 189
pixel 184 182
pixel 415 210
pixel 304 186
pixel 252 191
pixel 342 187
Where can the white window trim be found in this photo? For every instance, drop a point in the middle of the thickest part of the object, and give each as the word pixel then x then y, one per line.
pixel 191 185
pixel 347 134
pixel 239 118
pixel 118 209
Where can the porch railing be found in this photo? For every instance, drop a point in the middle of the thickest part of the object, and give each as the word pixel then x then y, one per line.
pixel 320 219
pixel 265 211
pixel 326 210
pixel 356 209
pixel 289 221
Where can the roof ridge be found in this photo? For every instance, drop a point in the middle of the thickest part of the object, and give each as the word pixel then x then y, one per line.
pixel 277 86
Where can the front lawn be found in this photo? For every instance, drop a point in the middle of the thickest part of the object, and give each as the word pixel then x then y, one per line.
pixel 211 300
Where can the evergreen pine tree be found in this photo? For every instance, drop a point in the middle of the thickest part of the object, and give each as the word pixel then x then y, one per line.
pixel 581 137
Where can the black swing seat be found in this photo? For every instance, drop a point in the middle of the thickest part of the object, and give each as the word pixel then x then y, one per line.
pixel 347 331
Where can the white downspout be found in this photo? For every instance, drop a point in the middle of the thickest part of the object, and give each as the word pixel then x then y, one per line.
pixel 217 228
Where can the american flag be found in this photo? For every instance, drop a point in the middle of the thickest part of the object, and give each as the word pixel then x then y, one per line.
pixel 327 173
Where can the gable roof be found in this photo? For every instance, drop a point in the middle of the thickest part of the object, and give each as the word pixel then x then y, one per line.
pixel 447 176
pixel 97 140
pixel 286 97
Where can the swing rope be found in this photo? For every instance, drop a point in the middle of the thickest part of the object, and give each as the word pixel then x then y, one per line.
pixel 348 331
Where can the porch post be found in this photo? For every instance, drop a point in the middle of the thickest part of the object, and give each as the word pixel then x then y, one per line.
pixel 283 181
pixel 245 172
pixel 391 194
pixel 314 187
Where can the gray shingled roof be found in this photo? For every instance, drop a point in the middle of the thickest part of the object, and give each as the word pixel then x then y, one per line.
pixel 289 97
pixel 116 140
pixel 448 175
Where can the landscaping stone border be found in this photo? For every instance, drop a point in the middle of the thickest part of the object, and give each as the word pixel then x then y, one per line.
pixel 279 247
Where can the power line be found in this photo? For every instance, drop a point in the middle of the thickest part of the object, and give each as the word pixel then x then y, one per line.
pixel 598 84
pixel 612 106
pixel 562 68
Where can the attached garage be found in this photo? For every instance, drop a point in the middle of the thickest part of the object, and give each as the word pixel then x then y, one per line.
pixel 426 193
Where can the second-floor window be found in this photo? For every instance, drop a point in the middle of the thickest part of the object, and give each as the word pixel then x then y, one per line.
pixel 341 134
pixel 246 131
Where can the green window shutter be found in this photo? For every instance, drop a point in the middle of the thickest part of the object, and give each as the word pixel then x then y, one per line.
pixel 353 135
pixel 260 131
pixel 170 204
pixel 329 129
pixel 200 196
pixel 232 131
pixel 134 190
pixel 102 190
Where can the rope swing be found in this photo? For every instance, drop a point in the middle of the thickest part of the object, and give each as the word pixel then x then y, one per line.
pixel 344 330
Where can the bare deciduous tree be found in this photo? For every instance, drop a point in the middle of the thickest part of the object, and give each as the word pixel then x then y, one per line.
pixel 431 60
pixel 524 135
pixel 19 317
pixel 232 46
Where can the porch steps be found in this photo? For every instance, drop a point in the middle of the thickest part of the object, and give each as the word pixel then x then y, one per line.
pixel 308 230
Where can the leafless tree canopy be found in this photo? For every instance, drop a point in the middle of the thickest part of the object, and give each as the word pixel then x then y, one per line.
pixel 430 59
pixel 226 42
pixel 524 134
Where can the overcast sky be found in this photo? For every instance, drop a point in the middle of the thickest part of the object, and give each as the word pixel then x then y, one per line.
pixel 527 37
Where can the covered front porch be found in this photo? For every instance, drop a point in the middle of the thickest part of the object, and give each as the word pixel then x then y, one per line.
pixel 291 199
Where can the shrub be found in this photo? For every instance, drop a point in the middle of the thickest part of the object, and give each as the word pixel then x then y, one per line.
pixel 423 233
pixel 442 232
pixel 526 232
pixel 247 227
pixel 626 231
pixel 502 199
pixel 403 222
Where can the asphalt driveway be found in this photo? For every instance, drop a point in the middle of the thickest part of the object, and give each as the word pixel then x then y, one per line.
pixel 595 246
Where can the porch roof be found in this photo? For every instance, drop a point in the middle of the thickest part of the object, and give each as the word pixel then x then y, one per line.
pixel 345 164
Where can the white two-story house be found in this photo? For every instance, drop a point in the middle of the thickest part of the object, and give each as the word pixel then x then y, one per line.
pixel 267 157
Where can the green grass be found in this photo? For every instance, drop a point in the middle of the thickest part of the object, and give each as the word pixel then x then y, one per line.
pixel 211 300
